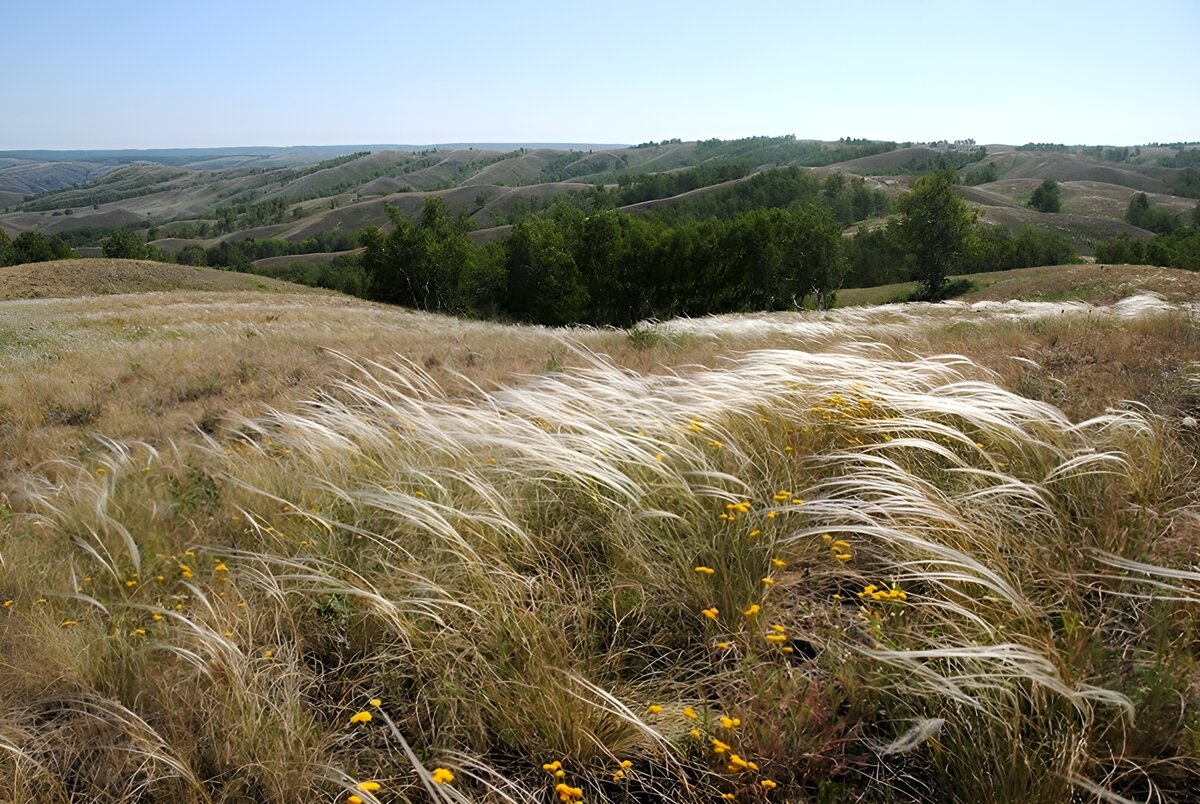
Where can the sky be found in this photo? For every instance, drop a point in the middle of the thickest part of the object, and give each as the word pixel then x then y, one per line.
pixel 176 73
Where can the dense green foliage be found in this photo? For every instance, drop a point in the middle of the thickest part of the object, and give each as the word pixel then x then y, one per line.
pixel 1047 197
pixel 1183 158
pixel 933 229
pixel 981 174
pixel 342 273
pixel 244 216
pixel 1177 249
pixel 608 267
pixel 788 150
pixel 1188 182
pixel 638 187
pixel 953 159
pixel 1147 215
pixel 126 244
pixel 33 246
pixel 878 256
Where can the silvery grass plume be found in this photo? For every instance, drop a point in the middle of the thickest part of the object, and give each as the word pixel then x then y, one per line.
pixel 790 569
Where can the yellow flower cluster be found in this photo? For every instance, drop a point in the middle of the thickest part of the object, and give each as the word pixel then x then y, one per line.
pixel 442 776
pixel 873 592
pixel 364 787
pixel 840 548
pixel 567 794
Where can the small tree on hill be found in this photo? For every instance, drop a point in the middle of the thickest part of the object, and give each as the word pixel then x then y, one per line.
pixel 1046 198
pixel 125 244
pixel 934 226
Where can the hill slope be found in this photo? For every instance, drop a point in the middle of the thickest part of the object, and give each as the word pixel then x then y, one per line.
pixel 98 276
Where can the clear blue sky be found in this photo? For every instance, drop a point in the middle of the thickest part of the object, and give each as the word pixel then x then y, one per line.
pixel 175 73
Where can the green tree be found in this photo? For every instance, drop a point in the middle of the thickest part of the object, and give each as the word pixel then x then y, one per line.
pixel 36 247
pixel 933 230
pixel 125 244
pixel 7 256
pixel 1047 197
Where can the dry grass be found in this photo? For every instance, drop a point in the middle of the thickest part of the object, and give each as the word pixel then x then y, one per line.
pixel 88 277
pixel 1092 283
pixel 980 575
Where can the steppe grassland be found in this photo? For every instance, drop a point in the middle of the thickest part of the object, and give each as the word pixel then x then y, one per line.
pixel 922 583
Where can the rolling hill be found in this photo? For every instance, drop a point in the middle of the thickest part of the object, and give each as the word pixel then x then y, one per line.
pixel 203 196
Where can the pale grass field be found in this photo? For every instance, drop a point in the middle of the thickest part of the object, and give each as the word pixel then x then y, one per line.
pixel 935 553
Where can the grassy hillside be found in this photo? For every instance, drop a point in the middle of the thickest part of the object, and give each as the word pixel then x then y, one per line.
pixel 98 276
pixel 1095 284
pixel 182 198
pixel 341 549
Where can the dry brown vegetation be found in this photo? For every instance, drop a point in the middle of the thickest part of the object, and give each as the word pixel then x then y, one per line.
pixel 92 277
pixel 974 594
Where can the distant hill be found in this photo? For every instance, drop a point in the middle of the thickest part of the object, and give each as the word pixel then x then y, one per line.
pixel 201 196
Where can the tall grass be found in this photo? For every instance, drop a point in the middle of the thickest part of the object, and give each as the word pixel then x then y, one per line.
pixel 901 580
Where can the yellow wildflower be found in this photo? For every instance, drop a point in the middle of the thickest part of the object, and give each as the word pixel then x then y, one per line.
pixel 654 709
pixel 369 787
pixel 618 776
pixel 158 618
pixel 776 639
pixel 730 722
pixel 715 444
pixel 754 534
pixel 626 764
pixel 729 796
pixel 7 604
pixel 754 609
pixel 568 793
pixel 138 632
pixel 132 582
pixel 711 613
pixel 442 776
pixel 719 747
pixel 186 571
pixel 67 624
pixel 353 799
pixel 220 567
pixel 781 495
pixel 705 570
pixel 778 563
pixel 842 556
pixel 840 546
pixel 690 713
pixel 772 514
pixel 768 784
pixel 376 702
pixel 777 628
pixel 659 456
pixel 551 767
pixel 268 654
pixel 361 717
pixel 768 581
pixel 696 734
